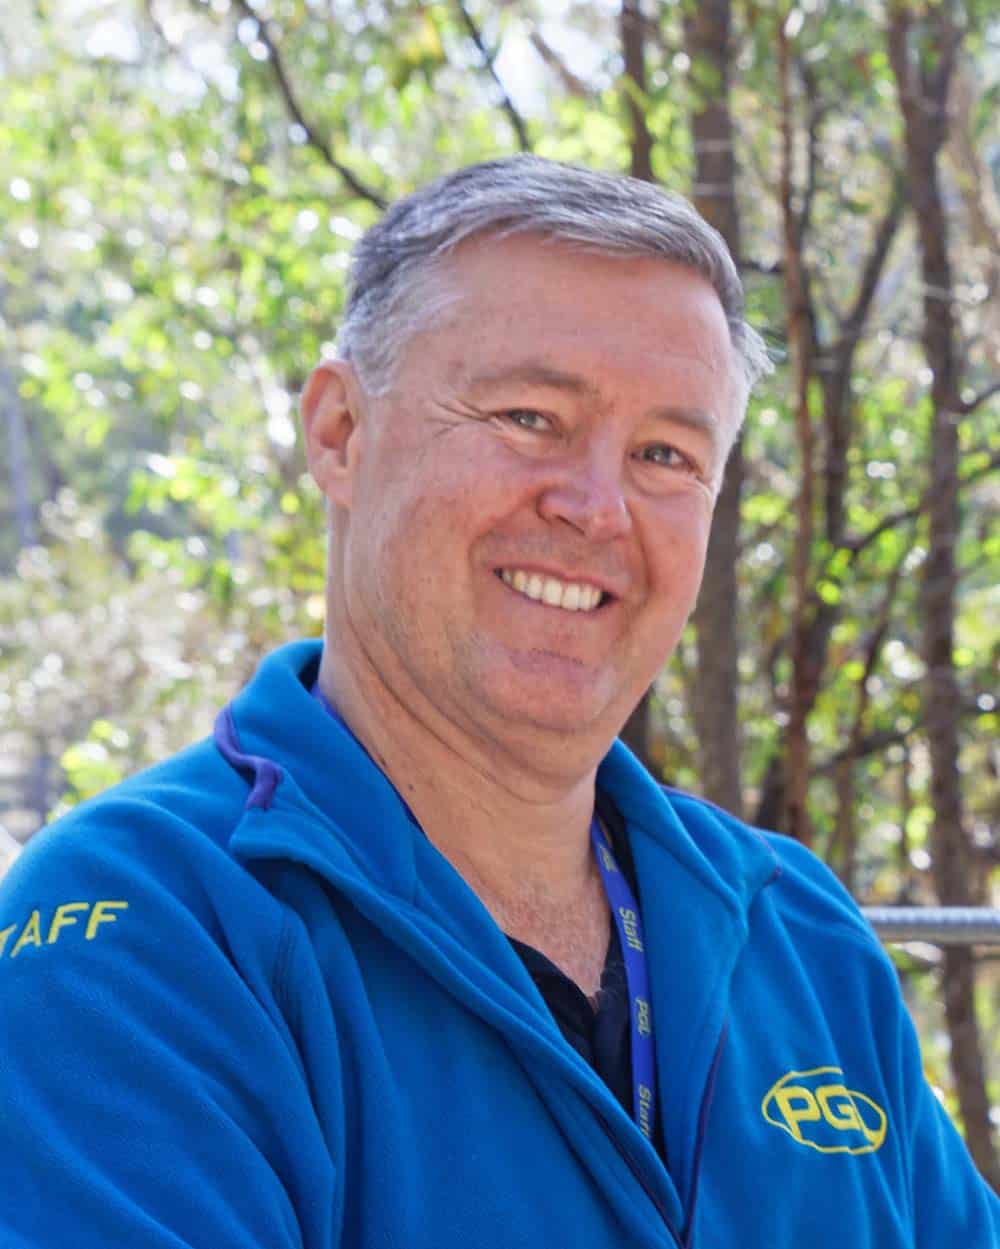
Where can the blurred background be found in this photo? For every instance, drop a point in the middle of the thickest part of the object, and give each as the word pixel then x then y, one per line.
pixel 181 182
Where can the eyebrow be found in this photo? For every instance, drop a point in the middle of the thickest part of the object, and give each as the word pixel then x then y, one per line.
pixel 534 373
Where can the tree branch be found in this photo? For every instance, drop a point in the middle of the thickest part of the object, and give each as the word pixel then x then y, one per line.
pixel 853 323
pixel 871 744
pixel 970 405
pixel 801 328
pixel 489 64
pixel 857 545
pixel 360 188
pixel 843 845
pixel 572 84
pixel 171 47
pixel 815 113
pixel 881 739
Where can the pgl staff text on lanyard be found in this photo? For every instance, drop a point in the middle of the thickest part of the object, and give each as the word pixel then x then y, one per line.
pixel 625 910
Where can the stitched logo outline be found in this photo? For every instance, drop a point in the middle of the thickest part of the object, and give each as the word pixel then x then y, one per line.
pixel 800 1099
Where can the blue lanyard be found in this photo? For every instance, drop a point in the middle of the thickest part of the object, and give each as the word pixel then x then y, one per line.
pixel 625 910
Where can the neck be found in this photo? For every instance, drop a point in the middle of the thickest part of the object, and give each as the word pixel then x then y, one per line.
pixel 521 841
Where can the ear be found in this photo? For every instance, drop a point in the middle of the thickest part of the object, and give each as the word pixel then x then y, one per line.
pixel 331 407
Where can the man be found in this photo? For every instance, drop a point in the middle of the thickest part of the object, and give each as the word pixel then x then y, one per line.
pixel 414 953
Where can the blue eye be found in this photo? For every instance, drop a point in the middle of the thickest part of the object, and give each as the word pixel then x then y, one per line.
pixel 527 418
pixel 664 453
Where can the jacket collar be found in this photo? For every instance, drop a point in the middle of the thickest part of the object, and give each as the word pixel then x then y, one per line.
pixel 283 741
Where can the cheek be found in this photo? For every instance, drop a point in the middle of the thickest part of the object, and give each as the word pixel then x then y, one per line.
pixel 675 554
pixel 465 495
pixel 412 551
pixel 680 529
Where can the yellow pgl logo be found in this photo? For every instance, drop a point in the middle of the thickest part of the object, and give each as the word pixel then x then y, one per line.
pixel 817 1109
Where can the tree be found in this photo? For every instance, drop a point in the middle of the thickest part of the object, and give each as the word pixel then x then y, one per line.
pixel 923 57
pixel 715 687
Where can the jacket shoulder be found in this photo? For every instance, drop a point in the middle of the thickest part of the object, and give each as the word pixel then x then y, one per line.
pixel 155 846
pixel 801 885
pixel 150 1067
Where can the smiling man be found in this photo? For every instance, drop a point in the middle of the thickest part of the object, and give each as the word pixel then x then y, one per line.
pixel 413 952
pixel 519 530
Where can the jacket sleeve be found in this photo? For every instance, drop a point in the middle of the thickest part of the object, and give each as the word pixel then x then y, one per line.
pixel 948 1201
pixel 150 1093
pixel 952 1203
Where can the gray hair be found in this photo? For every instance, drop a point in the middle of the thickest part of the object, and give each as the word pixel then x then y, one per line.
pixel 390 296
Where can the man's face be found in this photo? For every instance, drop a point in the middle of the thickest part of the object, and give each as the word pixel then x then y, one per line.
pixel 530 503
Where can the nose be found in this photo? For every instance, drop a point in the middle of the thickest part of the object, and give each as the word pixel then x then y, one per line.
pixel 588 495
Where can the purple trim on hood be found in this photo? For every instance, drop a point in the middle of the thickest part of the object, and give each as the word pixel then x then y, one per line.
pixel 261 774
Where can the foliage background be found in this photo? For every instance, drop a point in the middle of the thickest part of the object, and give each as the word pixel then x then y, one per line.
pixel 180 186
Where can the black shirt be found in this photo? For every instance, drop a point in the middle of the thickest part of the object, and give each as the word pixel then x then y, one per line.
pixel 602 1036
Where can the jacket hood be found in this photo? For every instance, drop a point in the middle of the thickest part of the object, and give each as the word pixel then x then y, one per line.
pixel 278 735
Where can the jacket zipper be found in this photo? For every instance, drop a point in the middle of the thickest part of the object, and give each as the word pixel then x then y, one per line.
pixel 681 1240
pixel 706 1105
pixel 637 1172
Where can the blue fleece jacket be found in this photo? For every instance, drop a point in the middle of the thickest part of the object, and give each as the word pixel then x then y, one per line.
pixel 245 1003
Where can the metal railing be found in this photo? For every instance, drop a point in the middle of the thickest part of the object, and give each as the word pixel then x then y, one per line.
pixel 937 925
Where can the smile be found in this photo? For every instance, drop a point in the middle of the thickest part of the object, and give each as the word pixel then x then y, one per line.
pixel 569 595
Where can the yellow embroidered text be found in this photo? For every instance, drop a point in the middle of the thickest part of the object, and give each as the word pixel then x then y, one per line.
pixel 39 929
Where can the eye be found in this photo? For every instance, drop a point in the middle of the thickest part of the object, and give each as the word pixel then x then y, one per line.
pixel 527 418
pixel 666 455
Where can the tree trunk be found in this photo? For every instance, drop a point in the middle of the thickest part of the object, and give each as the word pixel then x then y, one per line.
pixel 715 705
pixel 922 83
pixel 636 733
pixel 801 342
pixel 843 851
pixel 826 370
pixel 715 700
pixel 634 56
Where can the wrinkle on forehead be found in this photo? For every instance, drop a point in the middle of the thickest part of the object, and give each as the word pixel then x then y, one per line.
pixel 497 288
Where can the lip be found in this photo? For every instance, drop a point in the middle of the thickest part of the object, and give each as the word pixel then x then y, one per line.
pixel 609 589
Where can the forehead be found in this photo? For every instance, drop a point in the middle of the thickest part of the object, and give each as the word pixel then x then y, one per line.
pixel 505 299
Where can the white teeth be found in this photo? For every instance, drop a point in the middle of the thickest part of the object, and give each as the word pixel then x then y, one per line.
pixel 552 592
pixel 569 595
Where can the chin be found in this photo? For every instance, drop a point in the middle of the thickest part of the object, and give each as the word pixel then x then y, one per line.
pixel 566 707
